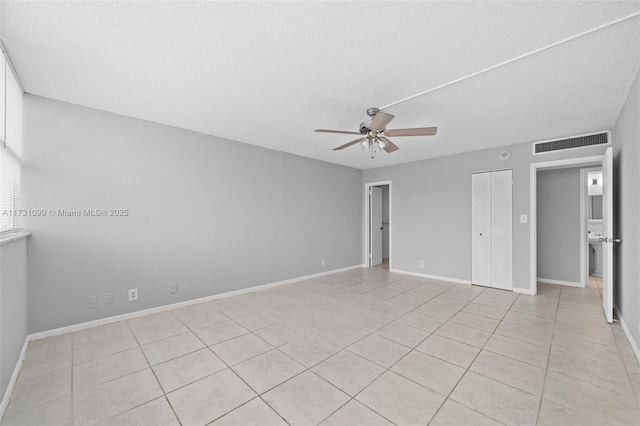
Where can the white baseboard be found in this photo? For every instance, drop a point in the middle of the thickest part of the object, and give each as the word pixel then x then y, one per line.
pixel 14 378
pixel 524 291
pixel 558 282
pixel 433 277
pixel 136 314
pixel 627 333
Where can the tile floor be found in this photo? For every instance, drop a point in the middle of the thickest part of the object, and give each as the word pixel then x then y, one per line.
pixel 362 347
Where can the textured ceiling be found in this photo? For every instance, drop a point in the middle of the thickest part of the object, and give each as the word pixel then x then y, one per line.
pixel 269 73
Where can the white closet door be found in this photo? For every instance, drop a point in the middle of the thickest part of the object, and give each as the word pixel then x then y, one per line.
pixel 481 229
pixel 501 230
pixel 376 226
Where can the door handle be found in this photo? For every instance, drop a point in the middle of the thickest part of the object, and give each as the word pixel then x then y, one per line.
pixel 615 240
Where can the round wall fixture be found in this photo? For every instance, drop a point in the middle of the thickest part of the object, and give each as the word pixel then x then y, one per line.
pixel 504 155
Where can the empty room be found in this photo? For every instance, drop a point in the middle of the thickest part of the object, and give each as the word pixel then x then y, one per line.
pixel 319 213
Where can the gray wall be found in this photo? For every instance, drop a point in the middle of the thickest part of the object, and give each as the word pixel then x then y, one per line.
pixel 13 307
pixel 209 214
pixel 559 225
pixel 627 211
pixel 432 209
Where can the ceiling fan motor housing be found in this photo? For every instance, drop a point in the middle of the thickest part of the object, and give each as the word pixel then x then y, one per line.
pixel 365 127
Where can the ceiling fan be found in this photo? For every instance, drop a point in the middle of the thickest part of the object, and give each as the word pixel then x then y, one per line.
pixel 373 133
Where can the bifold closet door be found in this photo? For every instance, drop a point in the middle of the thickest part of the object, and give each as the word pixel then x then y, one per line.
pixel 492 254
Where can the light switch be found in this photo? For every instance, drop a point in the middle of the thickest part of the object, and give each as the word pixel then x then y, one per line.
pixel 523 218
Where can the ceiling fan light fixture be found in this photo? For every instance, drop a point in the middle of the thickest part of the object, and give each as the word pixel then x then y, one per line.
pixel 381 144
pixel 365 144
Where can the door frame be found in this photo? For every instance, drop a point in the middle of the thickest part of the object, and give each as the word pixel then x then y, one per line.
pixel 533 206
pixel 367 223
pixel 584 224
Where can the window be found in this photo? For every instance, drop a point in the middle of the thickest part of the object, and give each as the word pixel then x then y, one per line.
pixel 10 149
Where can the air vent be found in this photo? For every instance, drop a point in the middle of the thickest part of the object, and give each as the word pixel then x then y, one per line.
pixel 571 143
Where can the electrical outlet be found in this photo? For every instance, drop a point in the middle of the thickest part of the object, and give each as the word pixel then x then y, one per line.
pixel 108 298
pixel 173 288
pixel 324 262
pixel 133 294
pixel 422 263
pixel 93 302
pixel 523 218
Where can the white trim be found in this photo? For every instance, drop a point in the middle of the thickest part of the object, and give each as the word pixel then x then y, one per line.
pixel 533 145
pixel 559 282
pixel 627 333
pixel 13 236
pixel 14 378
pixel 523 291
pixel 433 277
pixel 136 314
pixel 533 205
pixel 367 220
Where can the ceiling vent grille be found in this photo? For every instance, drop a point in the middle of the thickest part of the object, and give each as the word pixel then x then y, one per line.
pixel 571 143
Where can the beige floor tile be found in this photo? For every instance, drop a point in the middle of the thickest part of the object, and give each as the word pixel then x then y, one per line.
pixel 187 369
pixel 85 351
pixel 221 332
pixel 529 320
pixel 464 334
pixel 203 401
pixel 537 336
pixel 156 412
pixel 279 334
pixel 258 320
pixel 495 293
pixel 309 350
pixel 492 302
pixel 159 331
pixel 518 350
pixel 436 310
pixel 465 294
pixel 449 350
pixel 39 390
pixel 151 319
pixel 268 370
pixel 485 311
pixel 591 350
pixel 53 413
pixel 46 356
pixel 190 310
pixel 100 333
pixel 379 350
pixel 171 347
pixel 504 403
pixel 580 396
pixel 241 348
pixel 305 400
pixel 552 414
pixel 354 413
pixel 454 414
pixel 475 321
pixel 421 321
pixel 348 371
pixel 535 310
pixel 447 302
pixel 105 369
pixel 400 400
pixel 343 335
pixel 600 374
pixel 509 371
pixel 108 399
pixel 253 413
pixel 203 319
pixel 428 371
pixel 404 334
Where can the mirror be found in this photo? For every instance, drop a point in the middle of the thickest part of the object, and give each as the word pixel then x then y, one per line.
pixel 595 207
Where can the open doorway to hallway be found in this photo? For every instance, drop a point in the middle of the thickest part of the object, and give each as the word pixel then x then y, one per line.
pixel 378 225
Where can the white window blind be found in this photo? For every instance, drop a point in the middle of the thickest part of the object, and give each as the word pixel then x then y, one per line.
pixel 11 218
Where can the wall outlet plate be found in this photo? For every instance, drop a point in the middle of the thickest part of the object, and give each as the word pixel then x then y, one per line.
pixel 133 295
pixel 523 218
pixel 108 298
pixel 324 262
pixel 92 302
pixel 422 263
pixel 173 288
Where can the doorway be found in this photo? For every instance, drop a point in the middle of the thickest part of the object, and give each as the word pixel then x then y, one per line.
pixel 606 162
pixel 377 229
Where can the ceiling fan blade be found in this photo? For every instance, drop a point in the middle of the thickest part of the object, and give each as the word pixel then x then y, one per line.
pixel 389 146
pixel 380 121
pixel 418 131
pixel 344 132
pixel 346 145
